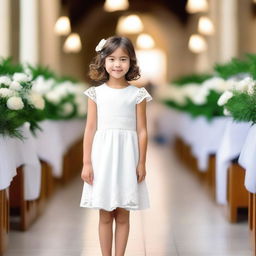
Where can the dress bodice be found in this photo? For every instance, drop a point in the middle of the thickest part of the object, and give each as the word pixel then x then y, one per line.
pixel 116 108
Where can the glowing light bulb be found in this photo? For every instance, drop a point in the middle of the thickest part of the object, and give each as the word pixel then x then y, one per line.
pixel 116 5
pixel 205 26
pixel 194 6
pixel 72 43
pixel 145 41
pixel 197 44
pixel 62 26
pixel 131 24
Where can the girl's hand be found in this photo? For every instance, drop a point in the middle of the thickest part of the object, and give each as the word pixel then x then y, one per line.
pixel 141 172
pixel 87 173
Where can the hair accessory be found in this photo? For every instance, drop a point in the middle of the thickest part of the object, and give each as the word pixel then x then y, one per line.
pixel 100 45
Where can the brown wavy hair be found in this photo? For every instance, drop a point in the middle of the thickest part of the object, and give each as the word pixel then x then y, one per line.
pixel 97 71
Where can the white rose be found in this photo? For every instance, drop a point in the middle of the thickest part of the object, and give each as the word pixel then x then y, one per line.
pixel 53 97
pixel 36 100
pixel 100 45
pixel 6 93
pixel 200 97
pixel 21 77
pixel 226 112
pixel 251 88
pixel 42 85
pixel 242 86
pixel 15 103
pixel 81 105
pixel 5 80
pixel 82 109
pixel 67 108
pixel 15 86
pixel 224 98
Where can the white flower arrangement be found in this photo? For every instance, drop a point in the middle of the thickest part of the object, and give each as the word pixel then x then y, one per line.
pixel 226 112
pixel 65 97
pixel 6 93
pixel 224 98
pixel 5 80
pixel 246 85
pixel 67 108
pixel 21 77
pixel 42 85
pixel 16 86
pixel 100 45
pixel 15 103
pixel 36 100
pixel 179 94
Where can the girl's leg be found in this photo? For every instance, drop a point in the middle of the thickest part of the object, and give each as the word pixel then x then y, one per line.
pixel 122 218
pixel 106 231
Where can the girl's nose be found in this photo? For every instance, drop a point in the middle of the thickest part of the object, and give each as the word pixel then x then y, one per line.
pixel 117 63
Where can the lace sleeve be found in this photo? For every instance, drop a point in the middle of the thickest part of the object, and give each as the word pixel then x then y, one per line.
pixel 91 93
pixel 142 94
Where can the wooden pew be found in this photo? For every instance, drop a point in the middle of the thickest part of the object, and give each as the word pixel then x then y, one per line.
pixel 252 220
pixel 48 186
pixel 210 176
pixel 22 212
pixel 237 195
pixel 4 220
pixel 73 161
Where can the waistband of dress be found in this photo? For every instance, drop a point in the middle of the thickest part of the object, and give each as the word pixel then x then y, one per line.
pixel 123 123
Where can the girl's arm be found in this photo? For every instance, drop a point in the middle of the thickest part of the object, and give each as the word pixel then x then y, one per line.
pixel 90 129
pixel 142 138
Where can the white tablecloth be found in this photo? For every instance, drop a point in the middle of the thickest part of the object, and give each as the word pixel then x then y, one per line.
pixel 230 148
pixel 206 138
pixel 55 139
pixel 247 160
pixel 50 145
pixel 14 153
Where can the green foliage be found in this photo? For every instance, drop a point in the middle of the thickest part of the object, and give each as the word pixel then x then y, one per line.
pixel 242 107
pixel 9 68
pixel 234 67
pixel 11 120
pixel 56 112
pixel 209 110
pixel 41 71
pixel 252 68
pixel 193 78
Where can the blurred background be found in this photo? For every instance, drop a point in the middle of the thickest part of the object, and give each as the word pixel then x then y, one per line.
pixel 197 60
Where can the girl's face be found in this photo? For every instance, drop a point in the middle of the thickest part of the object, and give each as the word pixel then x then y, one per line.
pixel 117 63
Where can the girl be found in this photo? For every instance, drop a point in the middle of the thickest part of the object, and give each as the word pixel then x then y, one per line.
pixel 115 142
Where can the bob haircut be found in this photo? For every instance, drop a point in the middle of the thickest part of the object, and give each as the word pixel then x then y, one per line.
pixel 97 71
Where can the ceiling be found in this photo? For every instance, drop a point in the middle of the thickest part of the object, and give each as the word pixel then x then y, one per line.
pixel 77 9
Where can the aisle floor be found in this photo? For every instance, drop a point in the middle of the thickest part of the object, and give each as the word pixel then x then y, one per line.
pixel 182 219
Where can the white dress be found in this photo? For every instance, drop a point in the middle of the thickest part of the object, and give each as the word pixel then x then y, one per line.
pixel 115 151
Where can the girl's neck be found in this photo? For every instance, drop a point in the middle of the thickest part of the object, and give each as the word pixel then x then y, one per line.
pixel 117 82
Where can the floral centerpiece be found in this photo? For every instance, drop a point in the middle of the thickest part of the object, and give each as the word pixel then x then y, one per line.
pixel 63 96
pixel 239 100
pixel 19 104
pixel 197 95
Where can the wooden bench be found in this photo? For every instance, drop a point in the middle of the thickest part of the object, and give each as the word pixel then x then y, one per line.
pixel 25 212
pixel 73 161
pixel 237 195
pixel 4 220
pixel 252 220
pixel 22 212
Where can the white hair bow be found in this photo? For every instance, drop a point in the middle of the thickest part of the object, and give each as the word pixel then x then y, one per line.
pixel 100 45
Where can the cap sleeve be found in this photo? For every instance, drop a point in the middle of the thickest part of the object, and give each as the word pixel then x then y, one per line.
pixel 142 94
pixel 91 93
